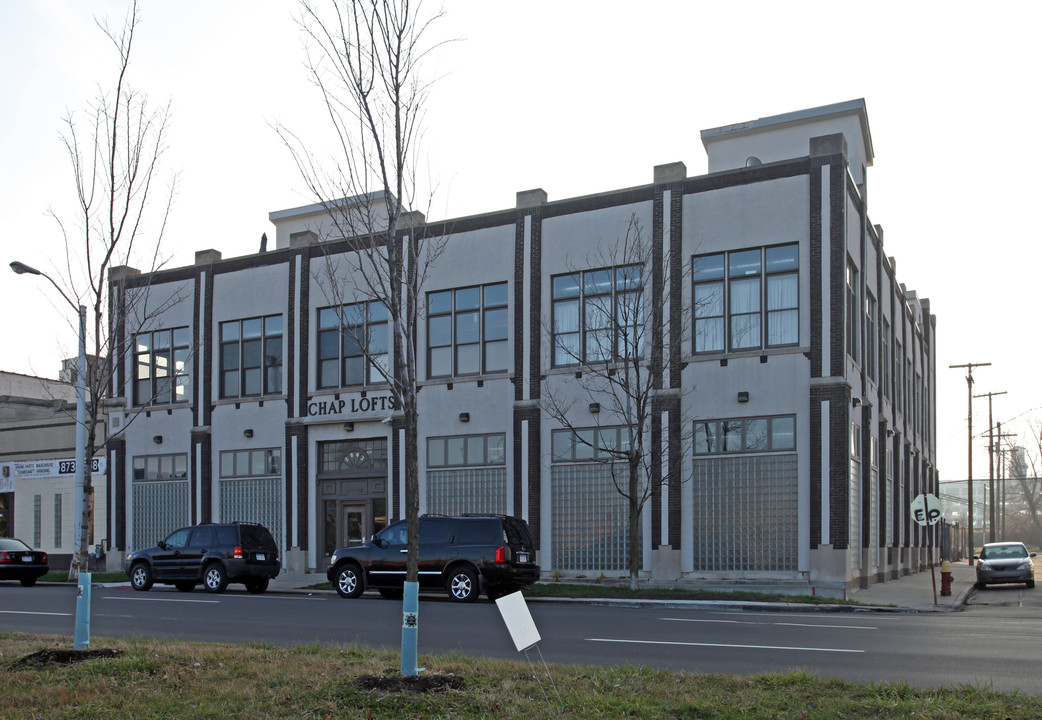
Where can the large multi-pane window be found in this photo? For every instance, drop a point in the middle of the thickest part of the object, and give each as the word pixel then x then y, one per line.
pixel 250 463
pixel 467 474
pixel 604 444
pixel 747 299
pixel 598 315
pixel 871 317
pixel 251 356
pixel 745 435
pixel 884 360
pixel 466 450
pixel 467 331
pixel 161 373
pixel 852 311
pixel 352 345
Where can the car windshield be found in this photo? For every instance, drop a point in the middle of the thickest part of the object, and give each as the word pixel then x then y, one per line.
pixel 13 545
pixel 1005 551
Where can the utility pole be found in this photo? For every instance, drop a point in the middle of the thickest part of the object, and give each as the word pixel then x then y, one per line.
pixel 969 474
pixel 1002 478
pixel 991 466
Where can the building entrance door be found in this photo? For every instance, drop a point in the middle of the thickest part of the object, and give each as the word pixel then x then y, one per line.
pixel 352 486
pixel 354 522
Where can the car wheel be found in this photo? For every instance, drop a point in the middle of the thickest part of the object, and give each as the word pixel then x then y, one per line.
pixel 28 582
pixel 980 585
pixel 185 585
pixel 463 585
pixel 348 582
pixel 215 578
pixel 1031 583
pixel 257 586
pixel 391 593
pixel 141 577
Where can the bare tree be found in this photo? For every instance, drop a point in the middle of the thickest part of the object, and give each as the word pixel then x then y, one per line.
pixel 365 57
pixel 619 369
pixel 1023 507
pixel 115 147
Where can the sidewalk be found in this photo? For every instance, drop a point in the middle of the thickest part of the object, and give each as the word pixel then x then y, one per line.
pixel 911 593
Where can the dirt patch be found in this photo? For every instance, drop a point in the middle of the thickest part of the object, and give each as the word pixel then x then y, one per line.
pixel 413 683
pixel 63 657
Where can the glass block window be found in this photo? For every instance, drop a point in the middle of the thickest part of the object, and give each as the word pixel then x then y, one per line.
pixel 352 345
pixel 57 520
pixel 467 331
pixel 251 357
pixel 253 500
pixel 467 490
pixel 37 520
pixel 160 507
pixel 745 435
pixel 745 513
pixel 590 518
pixel 466 450
pixel 161 371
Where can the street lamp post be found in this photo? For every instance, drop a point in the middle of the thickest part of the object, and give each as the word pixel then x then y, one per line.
pixel 82 634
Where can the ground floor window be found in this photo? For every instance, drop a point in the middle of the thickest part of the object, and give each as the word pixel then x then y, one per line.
pixel 253 500
pixel 467 490
pixel 745 513
pixel 589 527
pixel 160 497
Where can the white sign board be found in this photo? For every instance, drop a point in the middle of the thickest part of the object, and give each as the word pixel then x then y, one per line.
pixel 29 469
pixel 518 620
pixel 926 509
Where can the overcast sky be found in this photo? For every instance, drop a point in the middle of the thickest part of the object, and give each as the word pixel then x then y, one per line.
pixel 576 98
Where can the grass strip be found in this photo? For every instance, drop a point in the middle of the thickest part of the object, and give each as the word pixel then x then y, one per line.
pixel 151 678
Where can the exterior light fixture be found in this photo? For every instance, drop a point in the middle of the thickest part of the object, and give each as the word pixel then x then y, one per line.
pixel 157 439
pixel 464 417
pixel 857 402
pixel 890 433
pixel 595 408
pixel 247 433
pixel 743 396
pixel 349 427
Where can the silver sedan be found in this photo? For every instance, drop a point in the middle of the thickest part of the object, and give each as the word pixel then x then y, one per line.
pixel 1005 562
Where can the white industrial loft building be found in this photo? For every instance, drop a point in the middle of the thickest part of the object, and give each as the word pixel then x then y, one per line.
pixel 794 410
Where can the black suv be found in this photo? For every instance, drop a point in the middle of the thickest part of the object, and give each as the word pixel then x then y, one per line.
pixel 213 555
pixel 464 555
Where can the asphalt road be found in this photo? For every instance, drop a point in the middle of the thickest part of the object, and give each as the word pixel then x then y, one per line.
pixel 994 643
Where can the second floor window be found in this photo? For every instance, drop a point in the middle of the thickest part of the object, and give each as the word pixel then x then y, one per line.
pixel 161 373
pixel 598 315
pixel 352 345
pixel 251 357
pixel 467 331
pixel 747 300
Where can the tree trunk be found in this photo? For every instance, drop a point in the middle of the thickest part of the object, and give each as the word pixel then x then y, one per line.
pixel 635 505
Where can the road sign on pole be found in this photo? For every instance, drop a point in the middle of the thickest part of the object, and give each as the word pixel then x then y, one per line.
pixel 926 509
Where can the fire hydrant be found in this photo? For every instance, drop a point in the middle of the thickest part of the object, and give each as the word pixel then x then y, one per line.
pixel 946 578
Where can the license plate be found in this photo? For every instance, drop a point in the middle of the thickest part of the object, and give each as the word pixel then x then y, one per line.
pixel 27 558
pixel 522 557
pixel 260 556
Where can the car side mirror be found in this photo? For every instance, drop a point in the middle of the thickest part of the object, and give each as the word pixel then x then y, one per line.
pixel 162 545
pixel 380 542
pixel 976 557
pixel 1033 554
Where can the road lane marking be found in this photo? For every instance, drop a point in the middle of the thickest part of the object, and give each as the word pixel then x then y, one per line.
pixel 840 627
pixel 784 624
pixel 31 612
pixel 118 597
pixel 724 645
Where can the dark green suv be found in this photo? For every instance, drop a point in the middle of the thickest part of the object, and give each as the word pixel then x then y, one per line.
pixel 465 556
pixel 213 554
